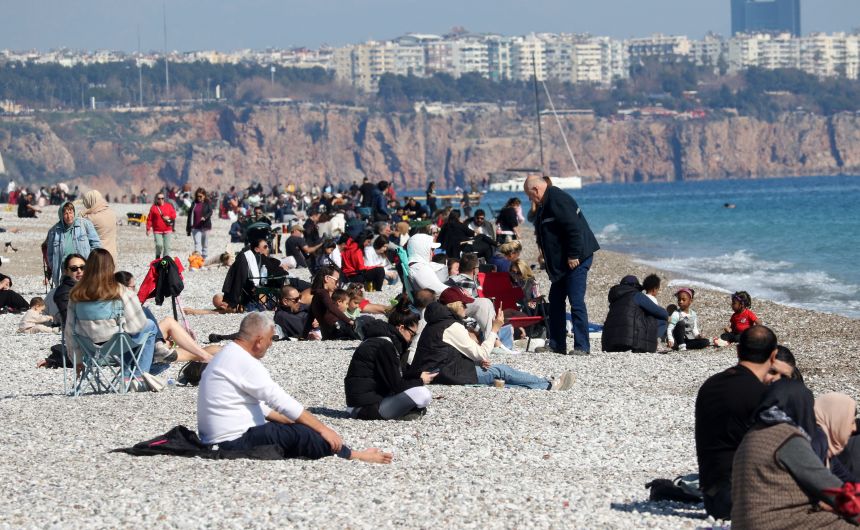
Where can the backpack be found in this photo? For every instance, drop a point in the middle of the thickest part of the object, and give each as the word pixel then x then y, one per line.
pixel 191 373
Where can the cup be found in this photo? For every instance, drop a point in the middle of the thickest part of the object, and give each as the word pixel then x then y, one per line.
pixel 499 383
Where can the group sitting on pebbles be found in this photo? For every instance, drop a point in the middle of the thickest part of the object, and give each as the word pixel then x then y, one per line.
pixel 769 454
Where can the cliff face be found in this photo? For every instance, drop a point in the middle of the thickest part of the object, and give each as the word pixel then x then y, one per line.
pixel 313 143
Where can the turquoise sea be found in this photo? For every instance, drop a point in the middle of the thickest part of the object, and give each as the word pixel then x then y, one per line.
pixel 791 240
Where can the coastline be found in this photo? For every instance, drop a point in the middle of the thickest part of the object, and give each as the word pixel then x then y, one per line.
pixel 480 457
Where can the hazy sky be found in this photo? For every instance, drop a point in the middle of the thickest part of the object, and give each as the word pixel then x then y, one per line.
pixel 237 24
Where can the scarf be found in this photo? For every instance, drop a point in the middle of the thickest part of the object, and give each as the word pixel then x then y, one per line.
pixel 788 401
pixel 834 413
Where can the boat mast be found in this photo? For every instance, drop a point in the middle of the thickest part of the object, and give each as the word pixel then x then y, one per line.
pixel 537 113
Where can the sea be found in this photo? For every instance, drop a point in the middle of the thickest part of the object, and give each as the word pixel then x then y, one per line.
pixel 795 241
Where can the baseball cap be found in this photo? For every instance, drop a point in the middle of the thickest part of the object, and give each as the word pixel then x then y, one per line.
pixel 454 294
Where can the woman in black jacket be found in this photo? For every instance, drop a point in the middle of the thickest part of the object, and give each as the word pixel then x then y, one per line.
pixel 199 222
pixel 633 319
pixel 10 301
pixel 453 234
pixel 374 385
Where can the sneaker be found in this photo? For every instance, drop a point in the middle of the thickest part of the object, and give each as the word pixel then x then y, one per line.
pixel 164 354
pixel 578 353
pixel 214 337
pixel 413 415
pixel 720 343
pixel 546 349
pixel 564 382
pixel 682 347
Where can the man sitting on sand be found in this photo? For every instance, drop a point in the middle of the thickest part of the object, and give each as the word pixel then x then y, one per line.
pixel 724 413
pixel 240 407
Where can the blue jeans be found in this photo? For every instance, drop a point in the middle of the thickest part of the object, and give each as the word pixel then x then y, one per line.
pixel 145 360
pixel 571 286
pixel 511 376
pixel 201 241
pixel 295 440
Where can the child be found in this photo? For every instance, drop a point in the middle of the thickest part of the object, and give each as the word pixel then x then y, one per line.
pixel 34 319
pixel 196 260
pixel 342 331
pixel 742 317
pixel 683 329
pixel 650 288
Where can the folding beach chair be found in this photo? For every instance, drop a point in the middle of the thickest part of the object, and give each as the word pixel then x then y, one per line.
pixel 498 287
pixel 107 367
pixel 403 272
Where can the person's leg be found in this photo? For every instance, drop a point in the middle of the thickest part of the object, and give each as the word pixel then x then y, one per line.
pixel 719 503
pixel 197 237
pixel 183 355
pixel 204 243
pixel 697 344
pixel 144 362
pixel 679 334
pixel 483 312
pixel 557 325
pixel 576 284
pixel 174 331
pixel 41 328
pixel 398 405
pixel 159 245
pixel 166 241
pixel 295 440
pixel 517 378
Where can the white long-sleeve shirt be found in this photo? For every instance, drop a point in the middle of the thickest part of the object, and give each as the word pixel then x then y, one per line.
pixel 237 393
pixel 457 335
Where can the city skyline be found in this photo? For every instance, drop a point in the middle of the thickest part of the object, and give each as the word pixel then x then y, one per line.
pixel 258 24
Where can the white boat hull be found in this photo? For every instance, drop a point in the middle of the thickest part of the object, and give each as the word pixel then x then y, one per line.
pixel 514 185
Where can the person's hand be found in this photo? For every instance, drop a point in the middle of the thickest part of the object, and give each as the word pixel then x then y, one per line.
pixel 485 364
pixel 428 377
pixel 727 329
pixel 148 232
pixel 333 439
pixel 572 263
pixel 671 343
pixel 499 321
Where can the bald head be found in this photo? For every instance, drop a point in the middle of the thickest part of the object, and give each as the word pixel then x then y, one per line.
pixel 535 187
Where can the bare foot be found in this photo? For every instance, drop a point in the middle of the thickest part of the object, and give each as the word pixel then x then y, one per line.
pixel 372 455
pixel 42 364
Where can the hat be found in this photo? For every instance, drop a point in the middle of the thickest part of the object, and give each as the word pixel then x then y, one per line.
pixel 631 280
pixel 454 294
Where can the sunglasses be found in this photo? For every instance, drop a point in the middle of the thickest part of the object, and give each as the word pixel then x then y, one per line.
pixel 159 198
pixel 76 268
pixel 296 299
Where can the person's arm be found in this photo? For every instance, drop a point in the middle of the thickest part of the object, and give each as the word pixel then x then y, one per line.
pixel 332 308
pixel 149 220
pixel 670 327
pixel 257 383
pixel 806 469
pixel 650 307
pixel 387 369
pixel 92 235
pixel 566 213
pixel 457 336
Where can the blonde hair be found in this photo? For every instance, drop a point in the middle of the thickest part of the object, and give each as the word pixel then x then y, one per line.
pixel 524 269
pixel 458 308
pixel 510 247
pixel 401 229
pixel 98 282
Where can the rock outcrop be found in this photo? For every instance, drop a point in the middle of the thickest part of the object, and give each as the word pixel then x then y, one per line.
pixel 314 143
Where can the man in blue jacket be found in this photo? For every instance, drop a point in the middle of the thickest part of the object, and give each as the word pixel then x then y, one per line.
pixel 567 245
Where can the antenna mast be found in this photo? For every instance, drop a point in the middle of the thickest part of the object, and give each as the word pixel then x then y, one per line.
pixel 166 68
pixel 139 72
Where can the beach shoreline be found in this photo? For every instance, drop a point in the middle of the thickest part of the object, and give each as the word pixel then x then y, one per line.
pixel 480 457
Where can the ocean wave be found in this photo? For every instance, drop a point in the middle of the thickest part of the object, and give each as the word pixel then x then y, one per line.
pixel 779 281
pixel 610 233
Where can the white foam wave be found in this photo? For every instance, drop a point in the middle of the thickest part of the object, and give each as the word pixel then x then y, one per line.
pixel 779 281
pixel 610 233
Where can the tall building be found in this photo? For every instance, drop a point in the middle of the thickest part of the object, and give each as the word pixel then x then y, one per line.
pixel 766 16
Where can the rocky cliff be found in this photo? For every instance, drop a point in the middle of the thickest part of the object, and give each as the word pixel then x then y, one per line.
pixel 304 143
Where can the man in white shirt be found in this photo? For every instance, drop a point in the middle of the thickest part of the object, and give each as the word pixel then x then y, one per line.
pixel 240 407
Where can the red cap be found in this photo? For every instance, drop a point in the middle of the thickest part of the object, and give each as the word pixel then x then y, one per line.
pixel 454 294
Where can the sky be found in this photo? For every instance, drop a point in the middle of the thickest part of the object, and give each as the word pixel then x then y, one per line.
pixel 258 24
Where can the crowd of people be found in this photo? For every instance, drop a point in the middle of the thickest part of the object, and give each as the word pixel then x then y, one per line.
pixel 770 454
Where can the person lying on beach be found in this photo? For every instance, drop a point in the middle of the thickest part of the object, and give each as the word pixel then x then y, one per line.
pixel 290 317
pixel 240 407
pixel 374 384
pixel 446 347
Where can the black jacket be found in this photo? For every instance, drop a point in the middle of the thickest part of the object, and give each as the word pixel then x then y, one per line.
pixel 238 287
pixel 434 354
pixel 374 372
pixel 206 214
pixel 451 237
pixel 292 324
pixel 631 323
pixel 61 297
pixel 562 232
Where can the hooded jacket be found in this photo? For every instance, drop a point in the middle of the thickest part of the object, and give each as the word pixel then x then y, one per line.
pixel 562 232
pixel 79 237
pixel 374 372
pixel 103 219
pixel 433 353
pixel 424 273
pixel 631 323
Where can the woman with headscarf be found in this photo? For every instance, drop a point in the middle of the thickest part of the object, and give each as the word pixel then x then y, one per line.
pixel 71 235
pixel 778 482
pixel 103 219
pixel 834 418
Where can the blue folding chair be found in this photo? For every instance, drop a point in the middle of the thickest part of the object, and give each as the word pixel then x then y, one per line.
pixel 109 366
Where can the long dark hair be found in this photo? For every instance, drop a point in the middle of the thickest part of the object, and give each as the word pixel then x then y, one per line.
pixel 319 279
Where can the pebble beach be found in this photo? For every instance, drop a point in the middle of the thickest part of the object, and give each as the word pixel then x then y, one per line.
pixel 480 457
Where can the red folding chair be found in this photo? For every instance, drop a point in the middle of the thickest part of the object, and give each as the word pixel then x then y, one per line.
pixel 504 294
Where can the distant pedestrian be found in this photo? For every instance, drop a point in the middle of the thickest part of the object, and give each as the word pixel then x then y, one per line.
pixel 200 222
pixel 103 219
pixel 160 222
pixel 568 246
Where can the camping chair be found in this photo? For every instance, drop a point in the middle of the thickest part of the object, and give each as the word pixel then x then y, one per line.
pixel 268 291
pixel 158 284
pixel 403 272
pixel 498 287
pixel 109 366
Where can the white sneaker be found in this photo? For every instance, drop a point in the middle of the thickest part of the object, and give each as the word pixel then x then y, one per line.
pixel 682 347
pixel 564 382
pixel 720 343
